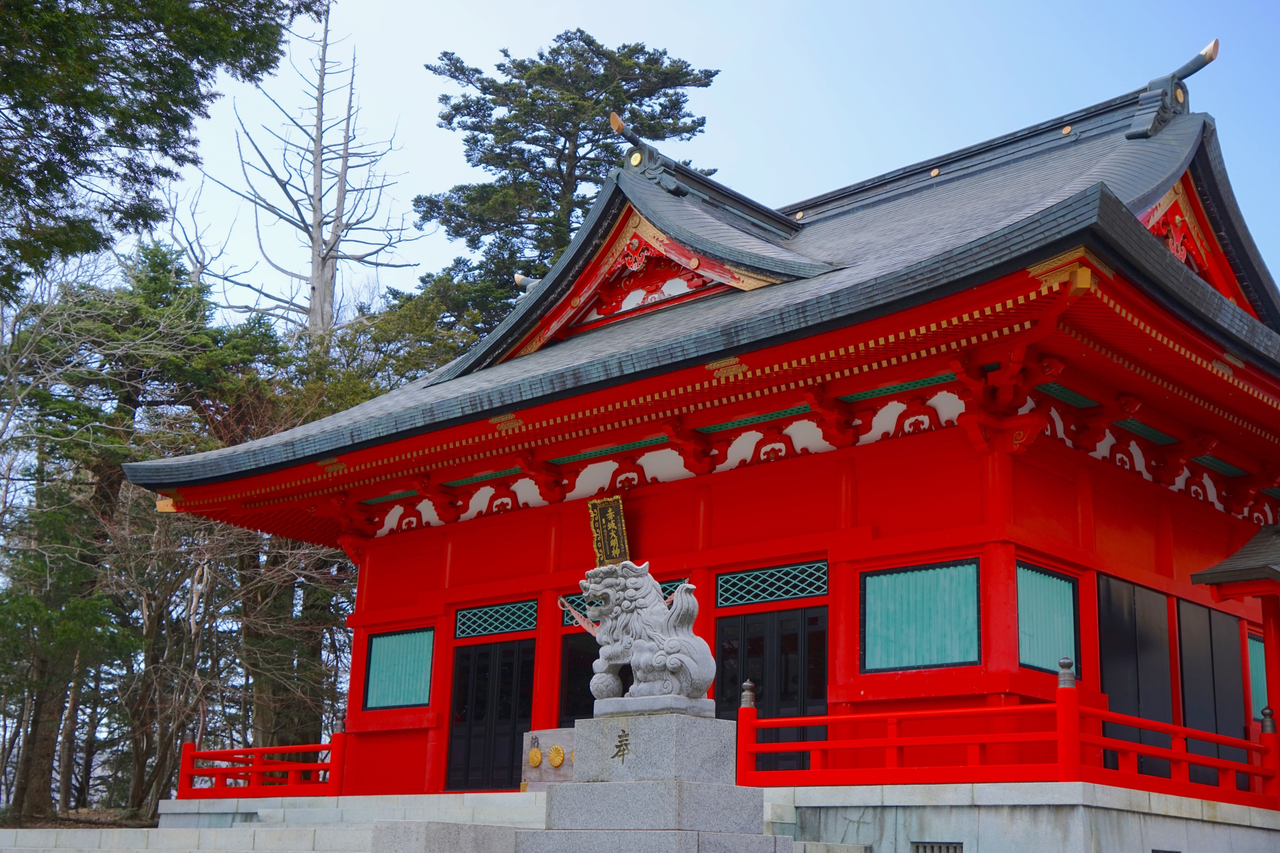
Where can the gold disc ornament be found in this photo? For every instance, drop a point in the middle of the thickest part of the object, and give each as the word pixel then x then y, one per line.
pixel 556 755
pixel 535 757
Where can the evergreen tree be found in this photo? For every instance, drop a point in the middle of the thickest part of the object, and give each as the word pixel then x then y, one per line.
pixel 98 104
pixel 541 129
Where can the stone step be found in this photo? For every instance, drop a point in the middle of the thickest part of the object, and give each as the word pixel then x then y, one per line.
pixel 275 839
pixel 823 847
pixel 512 808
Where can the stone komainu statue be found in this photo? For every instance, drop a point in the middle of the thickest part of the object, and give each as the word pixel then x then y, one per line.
pixel 637 628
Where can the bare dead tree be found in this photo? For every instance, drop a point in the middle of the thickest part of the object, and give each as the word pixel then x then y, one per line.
pixel 324 182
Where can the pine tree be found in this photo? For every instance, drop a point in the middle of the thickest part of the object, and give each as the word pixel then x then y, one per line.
pixel 541 129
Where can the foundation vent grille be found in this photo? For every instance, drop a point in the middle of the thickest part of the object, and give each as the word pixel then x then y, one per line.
pixel 937 847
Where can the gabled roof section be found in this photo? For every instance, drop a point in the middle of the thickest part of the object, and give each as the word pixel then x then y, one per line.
pixel 686 213
pixel 879 246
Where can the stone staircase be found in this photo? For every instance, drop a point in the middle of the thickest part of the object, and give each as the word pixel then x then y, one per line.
pixel 282 825
pixel 327 824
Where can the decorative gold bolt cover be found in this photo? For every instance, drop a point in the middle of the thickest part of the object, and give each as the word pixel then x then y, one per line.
pixel 1066 130
pixel 556 755
pixel 800 215
pixel 571 756
pixel 1177 93
pixel 636 158
pixel 535 757
pixel 934 173
pixel 693 264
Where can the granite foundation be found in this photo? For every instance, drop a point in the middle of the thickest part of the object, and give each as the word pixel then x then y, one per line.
pixel 643 783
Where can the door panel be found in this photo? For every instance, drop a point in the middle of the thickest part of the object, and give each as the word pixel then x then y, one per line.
pixel 492 709
pixel 1133 638
pixel 577 654
pixel 784 653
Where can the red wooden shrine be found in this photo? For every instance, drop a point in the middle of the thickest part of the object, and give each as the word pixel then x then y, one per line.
pixel 1082 384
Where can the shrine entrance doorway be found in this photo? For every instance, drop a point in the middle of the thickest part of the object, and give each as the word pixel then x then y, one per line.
pixel 784 653
pixel 492 709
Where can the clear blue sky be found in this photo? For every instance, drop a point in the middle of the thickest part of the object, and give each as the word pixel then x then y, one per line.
pixel 810 96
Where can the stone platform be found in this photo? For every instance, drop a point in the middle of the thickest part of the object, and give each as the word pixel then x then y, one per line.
pixel 1044 817
pixel 643 783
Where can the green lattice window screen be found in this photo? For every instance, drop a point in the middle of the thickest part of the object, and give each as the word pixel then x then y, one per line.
pixel 803 580
pixel 580 604
pixel 920 618
pixel 1046 619
pixel 497 619
pixel 398 670
pixel 1257 676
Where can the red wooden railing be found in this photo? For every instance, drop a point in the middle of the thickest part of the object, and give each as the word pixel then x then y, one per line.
pixel 254 772
pixel 1057 741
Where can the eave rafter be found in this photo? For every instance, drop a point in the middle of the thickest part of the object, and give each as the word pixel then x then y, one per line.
pixel 994 348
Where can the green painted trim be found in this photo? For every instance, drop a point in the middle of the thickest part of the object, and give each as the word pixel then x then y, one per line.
pixel 607 451
pixel 496 619
pixel 1213 463
pixel 940 379
pixel 480 478
pixel 802 580
pixel 1066 395
pixel 1150 433
pixel 392 497
pixel 756 419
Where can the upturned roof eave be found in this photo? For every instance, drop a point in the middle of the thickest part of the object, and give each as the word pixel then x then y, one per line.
pixel 1209 171
pixel 985 258
pixel 1094 217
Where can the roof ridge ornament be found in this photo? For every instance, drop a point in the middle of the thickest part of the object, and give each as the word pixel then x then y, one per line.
pixel 646 160
pixel 1166 97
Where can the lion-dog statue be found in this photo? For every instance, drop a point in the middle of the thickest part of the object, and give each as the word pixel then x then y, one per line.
pixel 638 628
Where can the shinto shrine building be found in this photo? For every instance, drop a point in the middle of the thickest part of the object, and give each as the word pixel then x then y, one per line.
pixel 914 442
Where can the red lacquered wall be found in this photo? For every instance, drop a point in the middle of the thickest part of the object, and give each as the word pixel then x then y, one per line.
pixel 897 502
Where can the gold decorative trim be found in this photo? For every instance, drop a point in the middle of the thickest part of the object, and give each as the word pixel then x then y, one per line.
pixel 1217 368
pixel 1171 387
pixel 1056 271
pixel 865 349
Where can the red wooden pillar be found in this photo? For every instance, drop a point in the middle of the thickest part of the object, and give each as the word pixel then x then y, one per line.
pixel 998 607
pixel 546 662
pixel 441 703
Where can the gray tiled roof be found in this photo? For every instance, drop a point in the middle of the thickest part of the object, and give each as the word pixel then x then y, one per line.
pixel 868 250
pixel 1259 559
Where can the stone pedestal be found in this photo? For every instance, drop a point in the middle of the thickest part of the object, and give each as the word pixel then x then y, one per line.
pixel 642 783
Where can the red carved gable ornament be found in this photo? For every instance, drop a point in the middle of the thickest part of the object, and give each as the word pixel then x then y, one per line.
pixel 639 269
pixel 1178 219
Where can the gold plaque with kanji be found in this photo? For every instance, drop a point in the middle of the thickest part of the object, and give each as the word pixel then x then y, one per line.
pixel 608 531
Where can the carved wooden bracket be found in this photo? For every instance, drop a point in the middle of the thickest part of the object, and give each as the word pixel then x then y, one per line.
pixel 1240 493
pixel 1004 434
pixel 1093 428
pixel 549 478
pixel 356 547
pixel 834 418
pixel 695 449
pixel 448 503
pixel 627 476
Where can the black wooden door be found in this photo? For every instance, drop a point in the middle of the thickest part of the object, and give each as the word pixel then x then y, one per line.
pixel 492 709
pixel 1133 638
pixel 578 652
pixel 784 653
